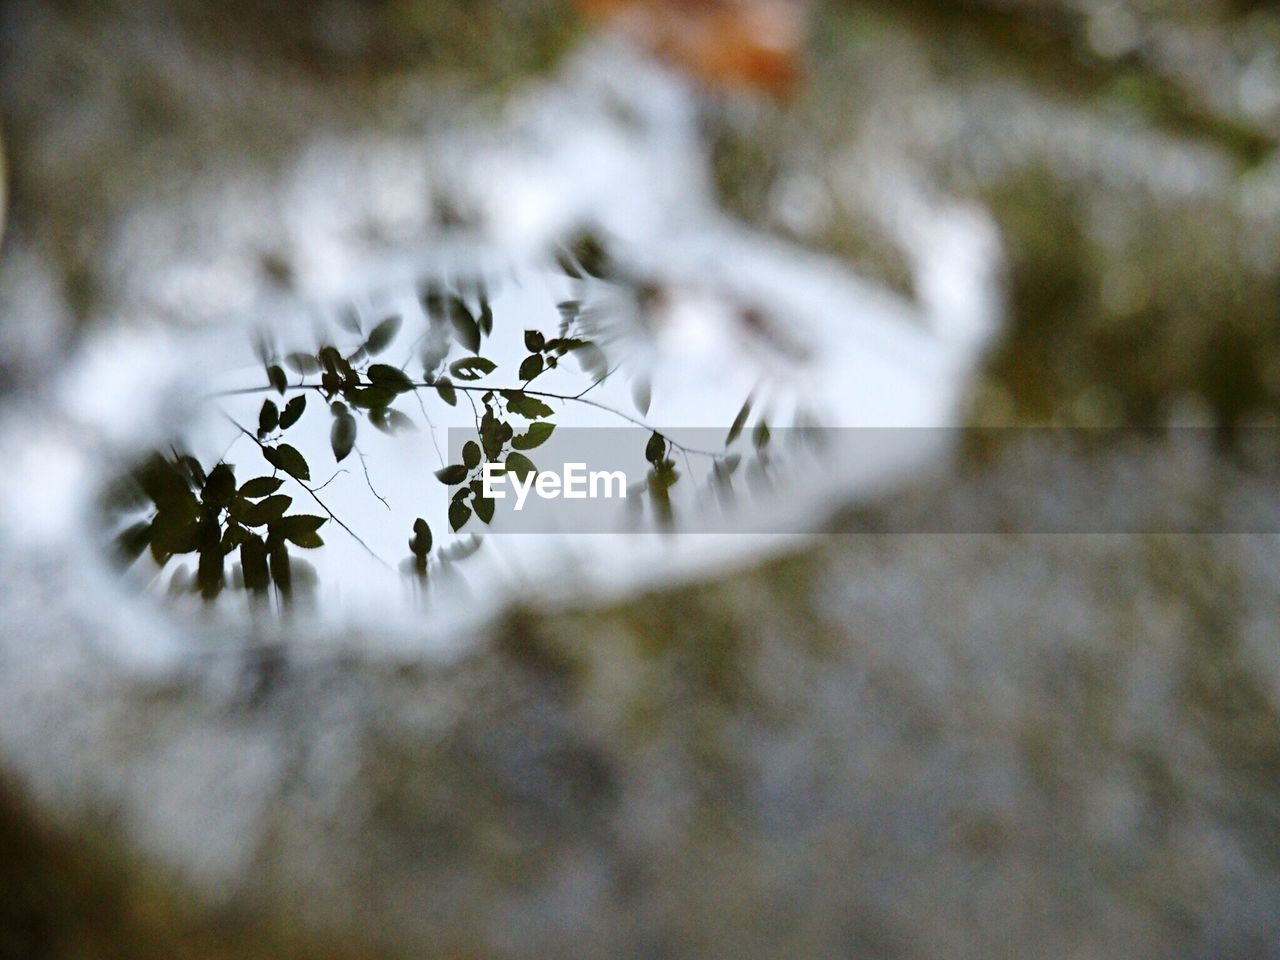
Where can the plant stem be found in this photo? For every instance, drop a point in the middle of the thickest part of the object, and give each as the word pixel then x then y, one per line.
pixel 481 388
pixel 323 506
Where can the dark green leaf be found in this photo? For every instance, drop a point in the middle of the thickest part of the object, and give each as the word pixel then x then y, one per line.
pixel 268 418
pixel 381 336
pixel 253 564
pixel 266 511
pixel 471 454
pixel 390 421
pixel 459 514
pixel 260 487
pixel 472 368
pixel 525 405
pixel 420 544
pixel 300 529
pixel 302 363
pixel 485 320
pixel 565 262
pixel 370 398
pixel 174 533
pixel 641 393
pixel 275 373
pixel 444 386
pixel 289 460
pixel 592 359
pixel 655 449
pixel 292 411
pixel 130 542
pixel 531 367
pixel 520 465
pixel 461 549
pixel 590 253
pixel 739 422
pixel 281 573
pixel 760 436
pixel 194 470
pixel 535 436
pixel 465 328
pixel 219 486
pixel 483 506
pixel 342 436
pixel 349 320
pixel 534 340
pixel 392 378
pixel 453 474
pixel 209 569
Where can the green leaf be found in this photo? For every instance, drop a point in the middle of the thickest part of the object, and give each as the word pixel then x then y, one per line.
pixel 452 475
pixel 760 436
pixel 275 373
pixel 130 543
pixel 444 387
pixel 465 328
pixel 281 572
pixel 535 436
pixel 483 506
pixel 302 363
pixel 592 359
pixel 461 549
pixel 641 393
pixel 300 529
pixel 381 336
pixel 565 263
pixel 534 340
pixel 253 564
pixel 292 411
pixel 739 422
pixel 520 465
pixel 390 421
pixel 370 398
pixel 420 544
pixel 349 320
pixel 531 367
pixel 268 418
pixel 459 514
pixel 209 569
pixel 471 454
pixel 389 377
pixel 174 533
pixel 219 486
pixel 232 537
pixel 525 405
pixel 472 368
pixel 289 460
pixel 589 250
pixel 194 470
pixel 266 511
pixel 342 435
pixel 655 449
pixel 260 487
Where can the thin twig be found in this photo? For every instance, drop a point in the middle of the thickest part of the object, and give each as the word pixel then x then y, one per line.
pixel 480 388
pixel 607 375
pixel 323 506
pixel 365 466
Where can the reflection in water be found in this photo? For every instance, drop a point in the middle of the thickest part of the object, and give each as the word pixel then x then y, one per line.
pixel 313 445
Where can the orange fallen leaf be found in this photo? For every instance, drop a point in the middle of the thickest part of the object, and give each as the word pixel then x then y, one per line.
pixel 728 44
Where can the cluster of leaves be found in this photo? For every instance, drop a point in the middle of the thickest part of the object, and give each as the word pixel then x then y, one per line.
pixel 212 517
pixel 190 511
